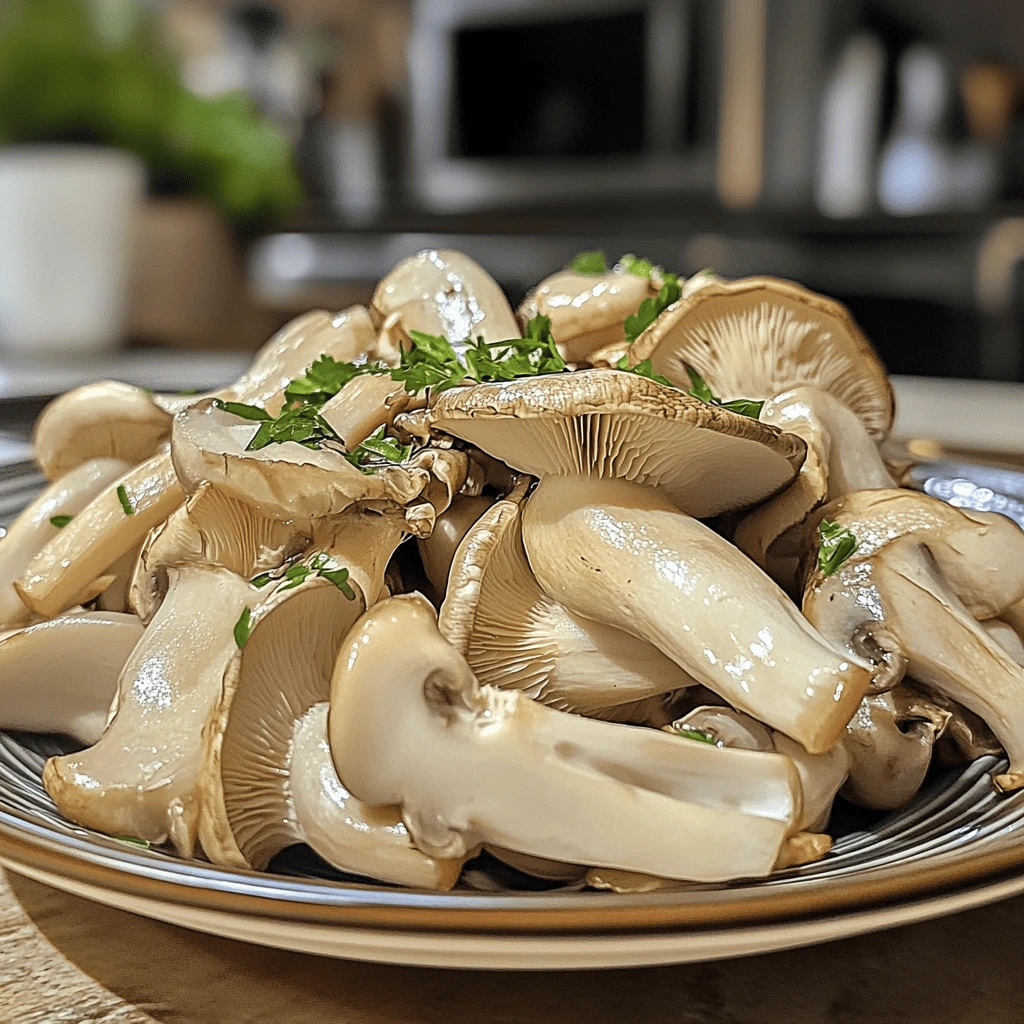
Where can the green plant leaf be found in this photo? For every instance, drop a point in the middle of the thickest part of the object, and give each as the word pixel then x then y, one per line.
pixel 243 627
pixel 60 521
pixel 122 496
pixel 699 389
pixel 637 265
pixel 651 308
pixel 700 735
pixel 837 544
pixel 247 412
pixel 589 263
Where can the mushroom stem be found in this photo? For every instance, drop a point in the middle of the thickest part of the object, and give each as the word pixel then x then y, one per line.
pixel 409 725
pixel 619 553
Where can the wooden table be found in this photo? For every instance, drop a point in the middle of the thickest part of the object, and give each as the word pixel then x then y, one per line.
pixel 63 959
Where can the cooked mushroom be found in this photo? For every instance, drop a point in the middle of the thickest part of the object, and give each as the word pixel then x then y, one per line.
pixel 39 522
pixel 438 550
pixel 410 726
pixel 69 569
pixel 619 456
pixel 762 338
pixel 890 741
pixel 364 404
pixel 516 637
pixel 61 675
pixel 269 781
pixel 445 293
pixel 106 420
pixel 139 778
pixel 587 311
pixel 922 574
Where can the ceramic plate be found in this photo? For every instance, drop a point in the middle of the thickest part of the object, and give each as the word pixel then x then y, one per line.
pixel 958 845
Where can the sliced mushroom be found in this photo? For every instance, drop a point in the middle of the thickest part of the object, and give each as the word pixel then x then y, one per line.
pixel 364 404
pixel 140 778
pixel 409 725
pixel 890 741
pixel 445 293
pixel 515 637
pixel 106 420
pixel 269 781
pixel 923 573
pixel 60 676
pixel 587 311
pixel 619 456
pixel 35 527
pixel 69 569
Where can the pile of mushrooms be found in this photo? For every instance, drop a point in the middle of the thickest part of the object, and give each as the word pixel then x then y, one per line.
pixel 616 588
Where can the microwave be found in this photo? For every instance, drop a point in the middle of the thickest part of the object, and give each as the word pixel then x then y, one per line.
pixel 536 101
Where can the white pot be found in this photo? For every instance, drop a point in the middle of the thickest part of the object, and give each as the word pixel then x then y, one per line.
pixel 67 216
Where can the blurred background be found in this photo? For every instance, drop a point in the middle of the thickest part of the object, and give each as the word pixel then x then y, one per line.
pixel 188 174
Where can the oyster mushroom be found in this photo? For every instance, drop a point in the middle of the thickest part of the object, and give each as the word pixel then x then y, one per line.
pixel 587 311
pixel 438 550
pixel 69 569
pixel 763 338
pixel 444 292
pixel 619 456
pixel 106 420
pixel 890 741
pixel 35 527
pixel 269 781
pixel 923 574
pixel 514 636
pixel 61 675
pixel 410 726
pixel 364 404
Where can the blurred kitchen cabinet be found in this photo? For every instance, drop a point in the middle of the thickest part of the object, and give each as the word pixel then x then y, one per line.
pixel 189 286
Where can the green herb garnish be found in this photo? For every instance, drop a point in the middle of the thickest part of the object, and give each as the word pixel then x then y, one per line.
pixel 643 369
pixel 247 412
pixel 699 389
pixel 589 263
pixel 321 564
pixel 60 521
pixel 324 378
pixel 122 496
pixel 689 733
pixel 380 447
pixel 243 627
pixel 303 424
pixel 260 581
pixel 134 841
pixel 837 544
pixel 637 265
pixel 650 309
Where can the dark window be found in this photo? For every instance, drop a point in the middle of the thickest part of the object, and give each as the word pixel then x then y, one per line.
pixel 553 89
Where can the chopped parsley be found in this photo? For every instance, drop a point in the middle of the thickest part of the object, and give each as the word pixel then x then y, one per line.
pixel 377 447
pixel 688 732
pixel 643 369
pixel 650 309
pixel 261 581
pixel 636 265
pixel 60 521
pixel 243 627
pixel 134 841
pixel 122 496
pixel 589 263
pixel 837 544
pixel 699 389
pixel 321 564
pixel 324 378
pixel 247 412
pixel 303 424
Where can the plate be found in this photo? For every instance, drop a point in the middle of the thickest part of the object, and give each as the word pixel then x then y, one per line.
pixel 958 845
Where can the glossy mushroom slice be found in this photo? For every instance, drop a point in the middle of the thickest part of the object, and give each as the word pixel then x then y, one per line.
pixel 437 552
pixel 269 781
pixel 70 569
pixel 619 457
pixel 140 778
pixel 410 726
pixel 763 338
pixel 514 636
pixel 923 574
pixel 60 676
pixel 587 311
pixel 443 292
pixel 106 420
pixel 890 741
pixel 39 523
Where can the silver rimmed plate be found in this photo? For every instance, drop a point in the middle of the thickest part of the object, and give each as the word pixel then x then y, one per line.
pixel 958 845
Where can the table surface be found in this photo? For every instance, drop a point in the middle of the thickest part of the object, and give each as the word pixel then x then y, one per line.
pixel 65 959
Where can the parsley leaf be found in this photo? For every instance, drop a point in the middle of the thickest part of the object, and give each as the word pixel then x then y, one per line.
pixel 243 627
pixel 134 841
pixel 321 564
pixel 837 544
pixel 247 412
pixel 60 521
pixel 651 309
pixel 688 732
pixel 324 378
pixel 380 446
pixel 637 265
pixel 589 263
pixel 260 581
pixel 303 425
pixel 643 369
pixel 430 363
pixel 699 389
pixel 122 496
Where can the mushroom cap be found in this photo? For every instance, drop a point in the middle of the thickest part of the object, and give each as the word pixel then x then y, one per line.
pixel 101 420
pixel 288 480
pixel 609 424
pixel 759 336
pixel 441 291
